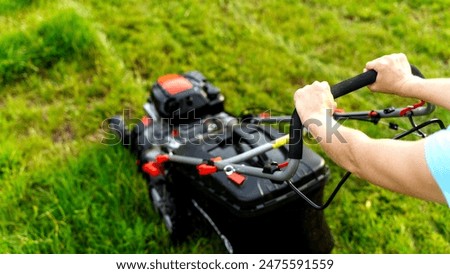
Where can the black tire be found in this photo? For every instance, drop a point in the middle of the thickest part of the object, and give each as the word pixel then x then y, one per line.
pixel 173 210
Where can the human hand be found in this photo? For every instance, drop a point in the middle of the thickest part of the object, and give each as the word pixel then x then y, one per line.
pixel 393 73
pixel 314 101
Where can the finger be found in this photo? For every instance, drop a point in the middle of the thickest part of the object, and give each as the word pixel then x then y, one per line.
pixel 297 94
pixel 375 62
pixel 333 107
pixel 370 65
pixel 325 85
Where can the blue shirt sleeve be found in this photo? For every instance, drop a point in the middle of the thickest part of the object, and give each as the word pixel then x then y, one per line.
pixel 437 155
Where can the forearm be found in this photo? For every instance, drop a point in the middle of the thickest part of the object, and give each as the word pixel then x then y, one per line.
pixel 435 91
pixel 396 165
pixel 341 144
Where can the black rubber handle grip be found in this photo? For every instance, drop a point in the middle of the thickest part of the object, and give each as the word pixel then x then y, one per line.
pixel 415 71
pixel 360 81
pixel 338 90
pixel 354 83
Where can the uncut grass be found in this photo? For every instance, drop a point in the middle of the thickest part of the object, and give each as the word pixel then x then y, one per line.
pixel 65 67
pixel 64 36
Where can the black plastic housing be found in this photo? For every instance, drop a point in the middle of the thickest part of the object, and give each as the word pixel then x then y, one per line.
pixel 259 216
pixel 186 102
pixel 256 195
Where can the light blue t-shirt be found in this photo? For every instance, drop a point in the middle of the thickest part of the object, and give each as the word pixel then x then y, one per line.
pixel 437 155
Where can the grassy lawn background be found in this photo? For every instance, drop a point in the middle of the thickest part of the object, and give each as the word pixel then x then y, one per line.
pixel 66 66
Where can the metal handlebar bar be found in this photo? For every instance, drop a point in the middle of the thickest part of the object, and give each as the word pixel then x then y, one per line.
pixel 341 89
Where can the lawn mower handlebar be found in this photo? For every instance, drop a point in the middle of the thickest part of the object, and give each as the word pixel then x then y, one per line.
pixel 359 81
pixel 294 140
pixel 354 83
pixel 338 90
pixel 347 86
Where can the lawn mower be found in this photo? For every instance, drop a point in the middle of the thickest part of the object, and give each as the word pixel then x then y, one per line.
pixel 259 189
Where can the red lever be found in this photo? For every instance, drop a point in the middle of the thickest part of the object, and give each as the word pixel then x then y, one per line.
pixel 162 158
pixel 404 111
pixel 146 120
pixel 237 178
pixel 216 159
pixel 204 169
pixel 153 169
pixel 373 113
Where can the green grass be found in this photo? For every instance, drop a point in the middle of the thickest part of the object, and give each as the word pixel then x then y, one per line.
pixel 66 66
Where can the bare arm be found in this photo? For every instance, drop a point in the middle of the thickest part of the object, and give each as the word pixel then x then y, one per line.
pixel 435 91
pixel 396 165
